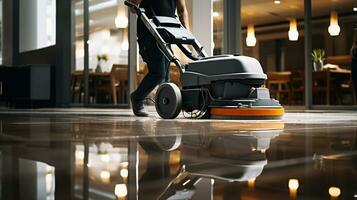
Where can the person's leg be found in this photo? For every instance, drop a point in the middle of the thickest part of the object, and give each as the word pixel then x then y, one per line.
pixel 156 64
pixel 157 67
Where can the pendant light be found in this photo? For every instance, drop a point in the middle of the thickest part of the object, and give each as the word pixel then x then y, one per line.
pixel 293 32
pixel 121 20
pixel 334 28
pixel 251 40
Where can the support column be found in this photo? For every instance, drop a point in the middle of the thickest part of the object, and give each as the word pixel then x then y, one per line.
pixel 86 50
pixel 232 27
pixel 133 53
pixel 7 39
pixel 308 50
pixel 202 24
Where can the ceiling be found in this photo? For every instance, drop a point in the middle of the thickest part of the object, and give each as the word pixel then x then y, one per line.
pixel 258 12
pixel 266 12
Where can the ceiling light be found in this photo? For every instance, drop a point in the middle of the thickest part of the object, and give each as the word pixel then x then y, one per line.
pixel 293 32
pixel 277 2
pixel 78 12
pixel 120 190
pixel 105 176
pixel 96 7
pixel 293 184
pixel 104 5
pixel 355 9
pixel 334 28
pixel 121 21
pixel 334 192
pixel 251 40
pixel 124 173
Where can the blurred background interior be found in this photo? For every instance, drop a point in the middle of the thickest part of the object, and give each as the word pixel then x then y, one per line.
pixel 271 31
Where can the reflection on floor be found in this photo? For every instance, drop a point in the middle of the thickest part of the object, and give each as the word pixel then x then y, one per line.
pixel 99 154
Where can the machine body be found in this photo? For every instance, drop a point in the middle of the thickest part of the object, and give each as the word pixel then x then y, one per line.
pixel 223 86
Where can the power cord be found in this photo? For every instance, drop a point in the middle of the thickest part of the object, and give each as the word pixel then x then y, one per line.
pixel 197 114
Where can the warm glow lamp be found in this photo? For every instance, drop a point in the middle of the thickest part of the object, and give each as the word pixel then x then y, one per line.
pixel 334 28
pixel 293 184
pixel 293 32
pixel 251 40
pixel 334 192
pixel 121 21
pixel 124 173
pixel 105 176
pixel 120 190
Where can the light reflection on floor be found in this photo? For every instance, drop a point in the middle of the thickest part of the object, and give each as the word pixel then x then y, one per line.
pixel 68 156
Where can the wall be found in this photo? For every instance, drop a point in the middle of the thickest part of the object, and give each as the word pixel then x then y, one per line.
pixel 59 55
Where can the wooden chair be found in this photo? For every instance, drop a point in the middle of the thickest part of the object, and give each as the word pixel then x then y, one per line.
pixel 143 70
pixel 279 86
pixel 344 89
pixel 321 89
pixel 77 86
pixel 119 83
pixel 175 75
pixel 297 87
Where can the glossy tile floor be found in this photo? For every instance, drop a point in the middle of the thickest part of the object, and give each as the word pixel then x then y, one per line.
pixel 100 154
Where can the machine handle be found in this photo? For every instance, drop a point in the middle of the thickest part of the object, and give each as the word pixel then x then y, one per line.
pixel 132 5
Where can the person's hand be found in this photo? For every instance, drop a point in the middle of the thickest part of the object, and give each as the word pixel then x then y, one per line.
pixel 136 2
pixel 132 10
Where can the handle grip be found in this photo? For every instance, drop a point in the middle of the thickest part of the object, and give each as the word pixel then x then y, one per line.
pixel 131 5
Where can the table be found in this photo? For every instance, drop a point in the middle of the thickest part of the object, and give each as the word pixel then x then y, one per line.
pixel 77 82
pixel 324 80
pixel 279 85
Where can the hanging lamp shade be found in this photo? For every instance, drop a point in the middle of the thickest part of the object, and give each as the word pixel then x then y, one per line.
pixel 334 28
pixel 251 40
pixel 121 20
pixel 293 32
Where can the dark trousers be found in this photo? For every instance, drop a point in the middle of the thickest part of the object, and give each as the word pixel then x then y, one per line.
pixel 158 67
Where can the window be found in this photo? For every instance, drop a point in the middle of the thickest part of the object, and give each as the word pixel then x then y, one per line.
pixel 37 24
pixel 108 51
pixel 218 26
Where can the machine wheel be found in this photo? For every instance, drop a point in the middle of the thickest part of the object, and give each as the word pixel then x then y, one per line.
pixel 168 101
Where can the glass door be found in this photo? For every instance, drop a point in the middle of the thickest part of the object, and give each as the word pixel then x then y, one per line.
pixel 107 55
pixel 333 37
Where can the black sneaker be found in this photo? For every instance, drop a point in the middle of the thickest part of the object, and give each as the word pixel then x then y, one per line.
pixel 138 107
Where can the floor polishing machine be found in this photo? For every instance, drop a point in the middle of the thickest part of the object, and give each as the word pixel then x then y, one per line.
pixel 223 86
